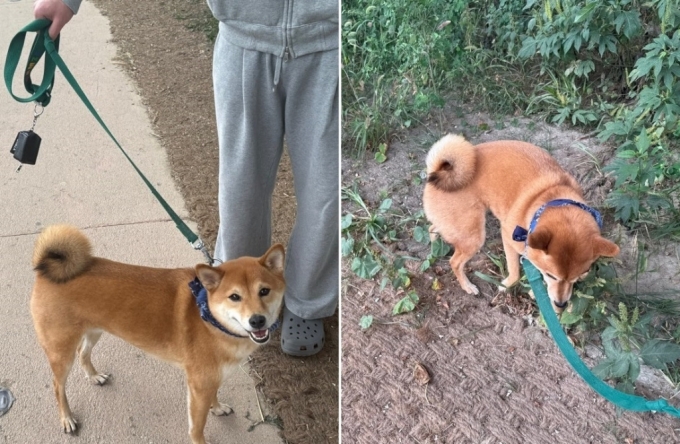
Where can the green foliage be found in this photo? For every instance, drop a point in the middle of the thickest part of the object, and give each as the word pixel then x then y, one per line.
pixel 560 29
pixel 610 65
pixel 628 337
pixel 587 308
pixel 658 353
pixel 365 322
pixel 366 234
pixel 406 304
pixel 381 155
pixel 626 344
pixel 197 17
pixel 394 56
pixel 645 181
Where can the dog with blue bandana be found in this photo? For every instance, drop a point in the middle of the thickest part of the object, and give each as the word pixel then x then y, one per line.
pixel 203 319
pixel 540 207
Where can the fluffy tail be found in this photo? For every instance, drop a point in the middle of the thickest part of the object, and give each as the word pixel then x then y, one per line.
pixel 451 163
pixel 61 253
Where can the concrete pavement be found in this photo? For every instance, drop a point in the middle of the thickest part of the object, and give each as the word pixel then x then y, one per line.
pixel 81 178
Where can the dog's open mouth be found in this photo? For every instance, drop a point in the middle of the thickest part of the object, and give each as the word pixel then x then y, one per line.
pixel 260 336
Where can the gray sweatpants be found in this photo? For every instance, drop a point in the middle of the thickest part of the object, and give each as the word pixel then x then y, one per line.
pixel 258 99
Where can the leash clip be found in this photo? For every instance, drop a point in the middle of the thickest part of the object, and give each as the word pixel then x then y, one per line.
pixel 199 245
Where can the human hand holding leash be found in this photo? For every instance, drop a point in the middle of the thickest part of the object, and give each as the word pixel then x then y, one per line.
pixel 54 10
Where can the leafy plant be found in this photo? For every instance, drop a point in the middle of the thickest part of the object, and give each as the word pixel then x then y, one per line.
pixel 625 349
pixel 628 337
pixel 381 154
pixel 365 322
pixel 406 304
pixel 365 235
pixel 642 175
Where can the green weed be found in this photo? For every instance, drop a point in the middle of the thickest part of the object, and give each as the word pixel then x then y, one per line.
pixel 366 236
pixel 197 17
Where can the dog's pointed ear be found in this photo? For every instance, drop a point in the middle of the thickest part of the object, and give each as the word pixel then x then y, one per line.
pixel 210 277
pixel 604 247
pixel 539 239
pixel 273 259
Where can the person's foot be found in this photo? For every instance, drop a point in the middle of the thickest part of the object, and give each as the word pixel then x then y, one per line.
pixel 301 337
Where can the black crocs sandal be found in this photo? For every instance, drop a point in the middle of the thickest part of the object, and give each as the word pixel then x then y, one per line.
pixel 301 337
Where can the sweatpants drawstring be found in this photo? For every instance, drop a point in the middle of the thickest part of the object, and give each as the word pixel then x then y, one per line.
pixel 277 72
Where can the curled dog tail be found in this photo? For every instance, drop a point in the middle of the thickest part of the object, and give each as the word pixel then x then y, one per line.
pixel 61 253
pixel 451 163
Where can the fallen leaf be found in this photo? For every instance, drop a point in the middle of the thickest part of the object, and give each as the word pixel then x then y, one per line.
pixel 420 374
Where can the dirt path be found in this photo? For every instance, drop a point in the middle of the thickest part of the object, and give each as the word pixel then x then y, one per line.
pixel 171 66
pixel 496 377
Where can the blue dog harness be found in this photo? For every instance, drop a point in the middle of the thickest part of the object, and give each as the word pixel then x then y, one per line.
pixel 201 296
pixel 520 234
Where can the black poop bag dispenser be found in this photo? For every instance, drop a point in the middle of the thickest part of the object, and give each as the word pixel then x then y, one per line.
pixel 25 147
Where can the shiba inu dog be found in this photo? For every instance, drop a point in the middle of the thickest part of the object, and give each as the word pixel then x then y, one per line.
pixel 225 315
pixel 540 208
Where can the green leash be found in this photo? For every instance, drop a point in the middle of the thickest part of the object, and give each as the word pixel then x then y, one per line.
pixel 624 400
pixel 41 94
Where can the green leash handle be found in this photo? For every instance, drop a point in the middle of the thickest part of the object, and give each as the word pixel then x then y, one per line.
pixel 41 94
pixel 624 400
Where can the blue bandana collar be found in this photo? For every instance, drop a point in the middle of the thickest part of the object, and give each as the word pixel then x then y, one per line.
pixel 201 296
pixel 520 234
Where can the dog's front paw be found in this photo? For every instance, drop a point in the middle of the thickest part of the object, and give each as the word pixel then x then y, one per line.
pixel 470 288
pixel 221 409
pixel 506 283
pixel 69 425
pixel 99 379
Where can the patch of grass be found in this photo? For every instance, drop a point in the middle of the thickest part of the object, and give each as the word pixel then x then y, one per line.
pixel 394 59
pixel 197 17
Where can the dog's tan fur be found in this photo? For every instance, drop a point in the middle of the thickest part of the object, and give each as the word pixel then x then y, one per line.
pixel 77 296
pixel 512 179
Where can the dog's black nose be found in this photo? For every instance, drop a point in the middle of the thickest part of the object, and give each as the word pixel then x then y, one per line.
pixel 257 321
pixel 560 304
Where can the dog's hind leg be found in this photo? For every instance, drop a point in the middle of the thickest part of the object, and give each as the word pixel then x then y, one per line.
pixel 467 240
pixel 61 351
pixel 89 340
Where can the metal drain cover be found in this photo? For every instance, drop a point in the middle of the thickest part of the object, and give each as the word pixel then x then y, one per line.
pixel 6 400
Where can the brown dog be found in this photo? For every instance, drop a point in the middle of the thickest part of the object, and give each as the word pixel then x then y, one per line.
pixel 519 183
pixel 77 296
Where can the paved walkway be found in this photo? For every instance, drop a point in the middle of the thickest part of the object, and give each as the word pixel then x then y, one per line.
pixel 81 178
